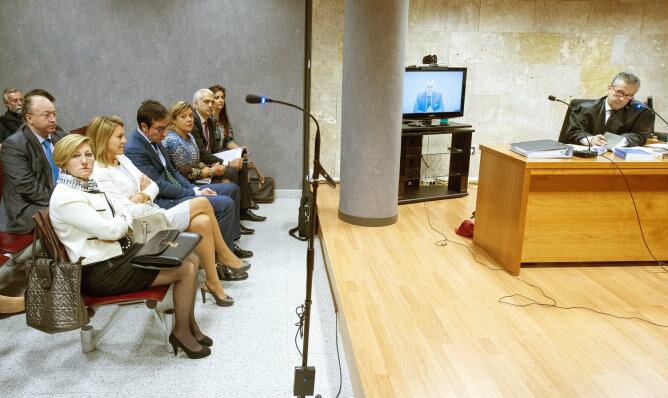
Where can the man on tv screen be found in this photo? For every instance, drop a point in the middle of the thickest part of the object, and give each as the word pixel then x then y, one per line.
pixel 429 100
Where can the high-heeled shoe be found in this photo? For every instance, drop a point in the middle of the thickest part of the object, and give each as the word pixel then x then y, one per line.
pixel 176 344
pixel 226 273
pixel 205 341
pixel 225 302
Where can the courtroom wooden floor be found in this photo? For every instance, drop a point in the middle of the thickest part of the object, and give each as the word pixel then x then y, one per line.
pixel 423 320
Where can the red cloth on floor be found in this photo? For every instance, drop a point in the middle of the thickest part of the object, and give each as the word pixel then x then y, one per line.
pixel 465 229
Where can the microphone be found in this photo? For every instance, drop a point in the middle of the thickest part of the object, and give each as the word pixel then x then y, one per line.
pixel 318 170
pixel 639 105
pixel 579 153
pixel 256 99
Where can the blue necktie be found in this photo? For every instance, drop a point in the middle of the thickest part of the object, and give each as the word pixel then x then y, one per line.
pixel 54 169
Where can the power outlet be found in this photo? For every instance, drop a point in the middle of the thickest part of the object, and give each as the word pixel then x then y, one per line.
pixel 304 381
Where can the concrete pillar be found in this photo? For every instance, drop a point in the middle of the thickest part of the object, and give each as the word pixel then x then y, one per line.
pixel 373 65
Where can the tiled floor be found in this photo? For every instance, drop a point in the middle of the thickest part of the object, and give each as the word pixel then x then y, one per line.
pixel 254 353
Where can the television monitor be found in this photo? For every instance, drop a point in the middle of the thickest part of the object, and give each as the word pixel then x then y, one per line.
pixel 434 92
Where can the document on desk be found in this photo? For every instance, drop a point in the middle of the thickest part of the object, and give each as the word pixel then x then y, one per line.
pixel 612 141
pixel 545 149
pixel 229 155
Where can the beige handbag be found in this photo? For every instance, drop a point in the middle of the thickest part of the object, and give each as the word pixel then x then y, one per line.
pixel 145 227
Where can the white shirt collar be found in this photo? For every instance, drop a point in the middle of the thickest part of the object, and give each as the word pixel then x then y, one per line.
pixel 40 138
pixel 144 135
pixel 201 118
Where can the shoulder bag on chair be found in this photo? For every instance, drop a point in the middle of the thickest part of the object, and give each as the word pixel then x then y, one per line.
pixel 166 250
pixel 262 187
pixel 53 293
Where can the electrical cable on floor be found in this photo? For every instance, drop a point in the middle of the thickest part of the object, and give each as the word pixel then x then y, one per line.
pixel 299 310
pixel 553 303
pixel 659 263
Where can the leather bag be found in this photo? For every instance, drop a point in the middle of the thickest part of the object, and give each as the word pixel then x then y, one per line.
pixel 145 227
pixel 53 293
pixel 166 250
pixel 262 187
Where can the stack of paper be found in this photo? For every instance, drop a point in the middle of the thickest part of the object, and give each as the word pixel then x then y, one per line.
pixel 542 149
pixel 229 155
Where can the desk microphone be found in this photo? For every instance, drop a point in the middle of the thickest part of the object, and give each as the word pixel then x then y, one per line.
pixel 639 105
pixel 588 153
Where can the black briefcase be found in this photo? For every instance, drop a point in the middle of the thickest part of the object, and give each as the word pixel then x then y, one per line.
pixel 166 250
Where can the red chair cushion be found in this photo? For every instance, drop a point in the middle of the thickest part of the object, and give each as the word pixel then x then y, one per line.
pixel 3 259
pixel 14 243
pixel 156 293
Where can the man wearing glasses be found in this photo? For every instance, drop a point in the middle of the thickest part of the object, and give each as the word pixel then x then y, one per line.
pixel 30 175
pixel 11 120
pixel 616 113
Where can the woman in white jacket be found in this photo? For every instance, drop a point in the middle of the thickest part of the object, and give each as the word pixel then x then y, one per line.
pixel 93 231
pixel 122 181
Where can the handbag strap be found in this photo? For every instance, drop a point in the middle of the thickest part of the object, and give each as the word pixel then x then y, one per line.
pixel 260 177
pixel 50 242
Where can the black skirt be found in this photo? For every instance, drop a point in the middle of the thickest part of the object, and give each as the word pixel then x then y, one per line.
pixel 116 276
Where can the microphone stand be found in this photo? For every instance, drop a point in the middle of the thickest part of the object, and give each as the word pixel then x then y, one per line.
pixel 305 375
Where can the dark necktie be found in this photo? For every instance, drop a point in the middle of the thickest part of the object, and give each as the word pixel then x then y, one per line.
pixel 429 102
pixel 607 123
pixel 54 169
pixel 205 127
pixel 170 177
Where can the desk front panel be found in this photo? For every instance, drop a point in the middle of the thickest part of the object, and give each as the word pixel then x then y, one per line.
pixel 591 217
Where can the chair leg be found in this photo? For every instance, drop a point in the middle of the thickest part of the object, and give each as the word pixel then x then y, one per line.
pixel 91 336
pixel 87 334
pixel 166 325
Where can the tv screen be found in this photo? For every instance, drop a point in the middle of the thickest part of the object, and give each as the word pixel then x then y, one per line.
pixel 434 92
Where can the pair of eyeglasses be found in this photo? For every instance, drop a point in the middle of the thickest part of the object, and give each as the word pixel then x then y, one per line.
pixel 159 129
pixel 47 115
pixel 621 94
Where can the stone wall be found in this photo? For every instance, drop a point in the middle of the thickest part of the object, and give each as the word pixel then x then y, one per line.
pixel 518 53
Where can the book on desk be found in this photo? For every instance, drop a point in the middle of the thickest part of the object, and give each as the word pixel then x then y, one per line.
pixel 542 149
pixel 633 154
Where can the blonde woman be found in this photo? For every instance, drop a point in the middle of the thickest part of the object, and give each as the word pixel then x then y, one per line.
pixel 122 181
pixel 93 230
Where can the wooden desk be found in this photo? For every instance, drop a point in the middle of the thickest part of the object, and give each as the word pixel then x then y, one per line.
pixel 569 210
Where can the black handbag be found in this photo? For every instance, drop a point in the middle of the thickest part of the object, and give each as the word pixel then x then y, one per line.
pixel 166 250
pixel 53 292
pixel 261 187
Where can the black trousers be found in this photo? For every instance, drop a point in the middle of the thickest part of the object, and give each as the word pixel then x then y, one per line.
pixel 239 177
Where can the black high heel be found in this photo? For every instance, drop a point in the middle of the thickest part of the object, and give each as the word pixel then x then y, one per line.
pixel 176 344
pixel 230 274
pixel 226 302
pixel 205 341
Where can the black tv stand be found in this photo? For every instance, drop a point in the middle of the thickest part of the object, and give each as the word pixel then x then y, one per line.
pixel 410 189
pixel 425 123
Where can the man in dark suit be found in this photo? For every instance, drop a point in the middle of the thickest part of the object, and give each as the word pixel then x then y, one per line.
pixel 29 172
pixel 147 153
pixel 204 132
pixel 615 113
pixel 13 100
pixel 429 100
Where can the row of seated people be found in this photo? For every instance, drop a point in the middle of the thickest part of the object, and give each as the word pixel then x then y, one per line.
pixel 94 191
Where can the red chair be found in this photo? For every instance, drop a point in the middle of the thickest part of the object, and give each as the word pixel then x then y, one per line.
pixel 149 297
pixel 11 245
pixel 80 130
